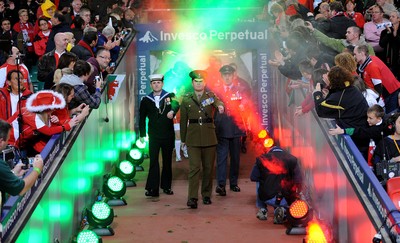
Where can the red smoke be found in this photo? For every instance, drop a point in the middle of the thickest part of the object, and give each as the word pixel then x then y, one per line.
pixel 274 165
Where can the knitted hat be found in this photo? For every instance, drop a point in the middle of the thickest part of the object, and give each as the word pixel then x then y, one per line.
pixel 45 100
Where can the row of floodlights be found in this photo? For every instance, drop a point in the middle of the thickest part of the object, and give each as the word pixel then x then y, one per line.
pixel 99 217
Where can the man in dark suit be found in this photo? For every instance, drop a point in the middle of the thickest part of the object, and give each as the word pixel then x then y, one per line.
pixel 198 133
pixel 159 108
pixel 229 129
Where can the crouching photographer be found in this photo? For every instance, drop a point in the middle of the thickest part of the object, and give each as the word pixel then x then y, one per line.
pixel 10 181
pixel 387 153
pixel 279 181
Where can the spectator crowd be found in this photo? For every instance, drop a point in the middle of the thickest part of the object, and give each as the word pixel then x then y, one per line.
pixel 66 47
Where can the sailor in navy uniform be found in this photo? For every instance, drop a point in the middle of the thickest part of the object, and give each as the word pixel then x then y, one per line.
pixel 160 109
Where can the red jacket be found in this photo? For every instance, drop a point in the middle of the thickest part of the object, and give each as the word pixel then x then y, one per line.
pixel 5 102
pixel 28 27
pixel 63 115
pixel 39 43
pixel 357 17
pixel 35 133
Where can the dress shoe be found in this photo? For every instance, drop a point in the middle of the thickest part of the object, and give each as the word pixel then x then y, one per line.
pixel 151 193
pixel 235 188
pixel 168 191
pixel 220 190
pixel 244 149
pixel 192 203
pixel 207 201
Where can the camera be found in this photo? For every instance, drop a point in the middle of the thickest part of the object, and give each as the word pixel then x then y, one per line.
pixel 112 64
pixel 386 170
pixel 27 163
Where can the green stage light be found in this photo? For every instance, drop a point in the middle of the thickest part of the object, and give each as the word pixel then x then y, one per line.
pixel 101 210
pixel 140 145
pixel 88 236
pixel 126 170
pixel 114 188
pixel 137 156
pixel 99 217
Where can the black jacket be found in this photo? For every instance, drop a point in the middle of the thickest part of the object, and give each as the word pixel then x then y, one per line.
pixel 277 172
pixel 336 26
pixel 159 125
pixel 349 108
pixel 46 66
pixel 81 52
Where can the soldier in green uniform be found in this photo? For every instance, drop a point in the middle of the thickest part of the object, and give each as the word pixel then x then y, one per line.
pixel 198 133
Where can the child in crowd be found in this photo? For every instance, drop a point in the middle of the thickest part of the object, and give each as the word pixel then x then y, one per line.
pixel 319 76
pixel 374 132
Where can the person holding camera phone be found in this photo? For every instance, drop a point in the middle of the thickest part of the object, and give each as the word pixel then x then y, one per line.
pixel 318 76
pixel 100 66
pixel 10 181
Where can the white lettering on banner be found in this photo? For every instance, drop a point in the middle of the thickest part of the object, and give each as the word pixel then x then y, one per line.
pixel 352 162
pixel 372 195
pixel 142 75
pixel 213 35
pixel 264 88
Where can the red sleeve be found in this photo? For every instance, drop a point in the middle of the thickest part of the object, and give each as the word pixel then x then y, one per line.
pixel 359 18
pixel 63 116
pixel 16 27
pixel 49 131
pixel 308 103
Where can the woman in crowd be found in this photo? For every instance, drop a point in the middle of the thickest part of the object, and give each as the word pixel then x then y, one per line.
pixel 37 128
pixel 65 66
pixel 345 103
pixel 64 115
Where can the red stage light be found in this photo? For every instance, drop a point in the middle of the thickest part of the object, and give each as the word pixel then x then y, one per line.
pixel 298 209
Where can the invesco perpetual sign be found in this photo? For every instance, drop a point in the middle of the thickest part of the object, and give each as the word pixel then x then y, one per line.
pixel 208 35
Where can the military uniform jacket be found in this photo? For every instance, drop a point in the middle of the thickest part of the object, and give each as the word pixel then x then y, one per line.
pixel 160 126
pixel 199 134
pixel 230 124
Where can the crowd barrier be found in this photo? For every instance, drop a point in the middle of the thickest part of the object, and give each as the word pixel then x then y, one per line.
pixel 345 193
pixel 74 166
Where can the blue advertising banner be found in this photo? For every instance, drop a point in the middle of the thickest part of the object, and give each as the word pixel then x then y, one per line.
pixel 160 47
